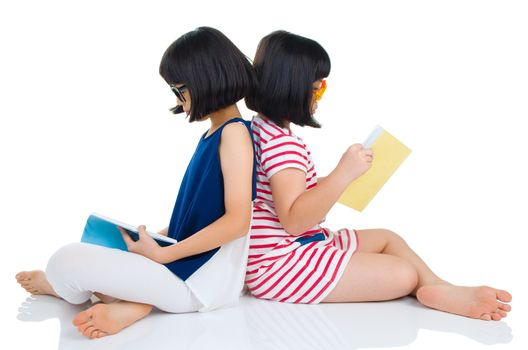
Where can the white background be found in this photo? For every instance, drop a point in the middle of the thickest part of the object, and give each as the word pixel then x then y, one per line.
pixel 85 124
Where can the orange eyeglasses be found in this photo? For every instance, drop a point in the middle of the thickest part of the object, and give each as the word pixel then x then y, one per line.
pixel 318 93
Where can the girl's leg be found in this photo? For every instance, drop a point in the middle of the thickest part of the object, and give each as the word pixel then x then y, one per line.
pixel 96 322
pixel 374 277
pixel 36 283
pixel 78 270
pixel 476 302
pixel 387 242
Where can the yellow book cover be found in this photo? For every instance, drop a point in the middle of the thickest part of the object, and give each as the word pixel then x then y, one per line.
pixel 389 154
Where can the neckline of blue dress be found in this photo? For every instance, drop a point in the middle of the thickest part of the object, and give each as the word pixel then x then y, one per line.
pixel 220 127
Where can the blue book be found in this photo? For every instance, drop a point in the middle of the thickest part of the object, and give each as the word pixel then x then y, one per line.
pixel 104 231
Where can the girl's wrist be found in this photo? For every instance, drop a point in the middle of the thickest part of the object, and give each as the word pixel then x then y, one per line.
pixel 340 177
pixel 166 255
pixel 161 255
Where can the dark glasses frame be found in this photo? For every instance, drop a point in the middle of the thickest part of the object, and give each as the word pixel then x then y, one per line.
pixel 178 91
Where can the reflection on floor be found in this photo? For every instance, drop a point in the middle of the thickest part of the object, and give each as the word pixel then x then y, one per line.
pixel 257 324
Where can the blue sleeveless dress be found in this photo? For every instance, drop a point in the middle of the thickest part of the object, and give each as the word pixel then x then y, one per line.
pixel 200 200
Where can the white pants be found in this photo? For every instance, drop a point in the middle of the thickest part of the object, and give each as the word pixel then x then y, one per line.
pixel 77 270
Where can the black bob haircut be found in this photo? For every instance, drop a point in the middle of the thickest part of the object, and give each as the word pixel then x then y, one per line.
pixel 287 65
pixel 216 73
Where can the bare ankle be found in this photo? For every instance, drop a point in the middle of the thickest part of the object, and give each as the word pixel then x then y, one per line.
pixel 429 282
pixel 105 298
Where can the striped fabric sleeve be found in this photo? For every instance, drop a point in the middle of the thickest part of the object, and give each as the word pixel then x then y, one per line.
pixel 282 152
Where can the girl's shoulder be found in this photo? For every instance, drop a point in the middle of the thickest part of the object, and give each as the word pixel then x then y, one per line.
pixel 236 130
pixel 266 130
pixel 236 127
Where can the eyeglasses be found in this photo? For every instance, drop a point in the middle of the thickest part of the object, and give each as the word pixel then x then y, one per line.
pixel 318 92
pixel 178 91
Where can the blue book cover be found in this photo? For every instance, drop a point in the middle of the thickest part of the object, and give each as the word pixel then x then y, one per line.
pixel 103 231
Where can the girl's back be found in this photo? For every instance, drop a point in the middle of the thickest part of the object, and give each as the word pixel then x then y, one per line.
pixel 282 266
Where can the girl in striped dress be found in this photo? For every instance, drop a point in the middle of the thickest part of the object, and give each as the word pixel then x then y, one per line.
pixel 292 258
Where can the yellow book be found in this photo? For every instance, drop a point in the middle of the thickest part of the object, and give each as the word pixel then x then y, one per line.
pixel 389 153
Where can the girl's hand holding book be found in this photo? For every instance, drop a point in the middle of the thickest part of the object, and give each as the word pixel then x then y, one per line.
pixel 145 245
pixel 355 161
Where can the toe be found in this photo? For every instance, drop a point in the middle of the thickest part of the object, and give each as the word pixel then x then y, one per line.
pixel 486 317
pixel 505 307
pixel 21 276
pixel 83 327
pixel 101 334
pixel 88 331
pixel 504 296
pixel 495 316
pixel 502 313
pixel 82 317
pixel 93 334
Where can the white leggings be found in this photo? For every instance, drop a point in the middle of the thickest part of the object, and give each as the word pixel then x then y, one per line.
pixel 77 270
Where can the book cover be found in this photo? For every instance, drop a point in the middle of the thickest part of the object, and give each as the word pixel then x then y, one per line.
pixel 103 231
pixel 389 154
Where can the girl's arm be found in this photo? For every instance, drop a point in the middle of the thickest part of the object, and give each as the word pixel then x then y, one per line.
pixel 320 179
pixel 298 209
pixel 236 159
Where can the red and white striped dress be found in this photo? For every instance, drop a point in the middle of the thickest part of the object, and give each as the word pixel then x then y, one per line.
pixel 282 267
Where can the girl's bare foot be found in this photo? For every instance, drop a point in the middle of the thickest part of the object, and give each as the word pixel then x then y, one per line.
pixel 35 282
pixel 105 319
pixel 484 303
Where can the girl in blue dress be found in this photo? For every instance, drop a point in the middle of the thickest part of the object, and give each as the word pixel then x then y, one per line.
pixel 211 217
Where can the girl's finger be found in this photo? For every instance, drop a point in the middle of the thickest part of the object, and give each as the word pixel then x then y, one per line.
pixel 142 230
pixel 126 237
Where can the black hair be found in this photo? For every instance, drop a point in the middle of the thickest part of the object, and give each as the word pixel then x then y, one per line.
pixel 215 72
pixel 286 66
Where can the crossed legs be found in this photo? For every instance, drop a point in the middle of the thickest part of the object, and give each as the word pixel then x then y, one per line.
pixel 128 285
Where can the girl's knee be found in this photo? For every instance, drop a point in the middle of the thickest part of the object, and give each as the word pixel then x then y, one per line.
pixel 68 260
pixel 63 257
pixel 402 275
pixel 407 277
pixel 61 272
pixel 392 236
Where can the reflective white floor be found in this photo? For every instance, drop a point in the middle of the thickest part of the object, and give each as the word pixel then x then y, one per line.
pixel 256 324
